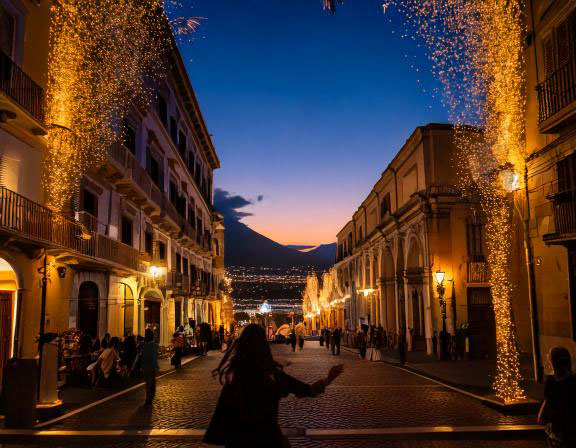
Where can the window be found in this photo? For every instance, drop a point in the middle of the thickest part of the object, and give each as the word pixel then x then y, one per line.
pixel 174 130
pixel 153 166
pixel 126 226
pixel 163 110
pixel 182 143
pixel 89 202
pixel 185 266
pixel 385 206
pixel 148 239
pixel 567 174
pixel 161 250
pixel 558 48
pixel 173 194
pixel 178 262
pixel 130 138
pixel 197 175
pixel 181 206
pixel 7 33
pixel 475 238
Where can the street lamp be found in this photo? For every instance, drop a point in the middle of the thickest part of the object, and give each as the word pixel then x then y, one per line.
pixel 439 275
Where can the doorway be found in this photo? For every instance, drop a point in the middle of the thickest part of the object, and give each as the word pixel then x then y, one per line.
pixel 6 320
pixel 481 323
pixel 152 317
pixel 88 309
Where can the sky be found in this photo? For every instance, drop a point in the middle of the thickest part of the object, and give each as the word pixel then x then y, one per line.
pixel 305 109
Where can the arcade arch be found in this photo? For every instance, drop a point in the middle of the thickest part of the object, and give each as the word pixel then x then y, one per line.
pixel 9 312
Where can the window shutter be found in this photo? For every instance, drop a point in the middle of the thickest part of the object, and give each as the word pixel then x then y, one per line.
pixel 548 49
pixel 563 43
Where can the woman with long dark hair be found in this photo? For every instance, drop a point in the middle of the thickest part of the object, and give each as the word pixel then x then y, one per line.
pixel 254 383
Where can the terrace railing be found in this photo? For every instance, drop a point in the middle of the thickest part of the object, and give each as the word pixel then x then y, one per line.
pixel 22 216
pixel 557 91
pixel 20 87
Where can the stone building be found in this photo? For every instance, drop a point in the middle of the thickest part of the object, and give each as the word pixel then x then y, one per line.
pixel 140 245
pixel 551 170
pixel 413 225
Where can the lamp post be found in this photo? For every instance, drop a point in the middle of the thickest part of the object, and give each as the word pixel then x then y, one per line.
pixel 439 275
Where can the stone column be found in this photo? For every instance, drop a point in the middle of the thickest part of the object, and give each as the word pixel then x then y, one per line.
pixel 428 321
pixel 382 303
pixel 407 312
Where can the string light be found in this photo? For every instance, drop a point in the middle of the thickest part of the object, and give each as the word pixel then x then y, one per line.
pixel 476 51
pixel 475 47
pixel 104 58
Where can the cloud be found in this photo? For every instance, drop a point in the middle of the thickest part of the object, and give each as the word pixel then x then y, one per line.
pixel 229 204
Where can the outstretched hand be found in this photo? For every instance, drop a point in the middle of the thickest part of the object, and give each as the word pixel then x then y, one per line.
pixel 334 373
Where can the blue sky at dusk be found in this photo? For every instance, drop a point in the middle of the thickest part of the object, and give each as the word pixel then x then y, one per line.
pixel 306 108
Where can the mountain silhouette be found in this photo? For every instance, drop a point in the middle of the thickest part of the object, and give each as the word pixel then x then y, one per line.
pixel 246 247
pixel 325 252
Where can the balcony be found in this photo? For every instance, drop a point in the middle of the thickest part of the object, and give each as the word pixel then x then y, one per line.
pixel 478 272
pixel 564 206
pixel 25 219
pixel 18 86
pixel 132 180
pixel 179 283
pixel 557 98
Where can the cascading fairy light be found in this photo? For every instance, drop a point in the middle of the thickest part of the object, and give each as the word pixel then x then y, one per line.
pixel 476 51
pixel 105 56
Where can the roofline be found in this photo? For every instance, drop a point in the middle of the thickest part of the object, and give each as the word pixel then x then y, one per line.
pixel 196 116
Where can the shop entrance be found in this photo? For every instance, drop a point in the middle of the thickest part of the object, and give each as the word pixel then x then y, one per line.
pixel 88 309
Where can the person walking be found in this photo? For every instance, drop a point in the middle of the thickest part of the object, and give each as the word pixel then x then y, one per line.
pixel 178 344
pixel 558 411
pixel 293 340
pixel 149 364
pixel 362 344
pixel 337 339
pixel 328 335
pixel 300 341
pixel 254 383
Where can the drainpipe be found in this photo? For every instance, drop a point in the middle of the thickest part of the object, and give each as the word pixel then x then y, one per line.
pixel 532 285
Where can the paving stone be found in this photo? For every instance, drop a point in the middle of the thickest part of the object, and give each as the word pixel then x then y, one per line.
pixel 367 395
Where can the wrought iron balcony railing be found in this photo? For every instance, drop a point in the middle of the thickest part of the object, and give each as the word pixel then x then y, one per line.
pixel 478 272
pixel 564 213
pixel 20 87
pixel 26 218
pixel 557 91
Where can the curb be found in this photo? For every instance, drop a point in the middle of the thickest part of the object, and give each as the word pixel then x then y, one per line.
pixel 515 432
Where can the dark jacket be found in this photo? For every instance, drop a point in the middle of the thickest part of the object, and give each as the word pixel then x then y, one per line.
pixel 561 399
pixel 247 415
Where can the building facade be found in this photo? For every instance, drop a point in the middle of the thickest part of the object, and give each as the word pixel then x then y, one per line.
pixel 140 245
pixel 551 170
pixel 412 226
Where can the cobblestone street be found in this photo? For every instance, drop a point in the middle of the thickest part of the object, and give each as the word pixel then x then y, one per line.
pixel 367 395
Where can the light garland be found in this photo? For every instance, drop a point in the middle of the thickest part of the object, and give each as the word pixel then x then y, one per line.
pixel 105 56
pixel 476 51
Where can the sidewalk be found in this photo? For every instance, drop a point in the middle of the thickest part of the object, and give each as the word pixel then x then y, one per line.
pixel 475 376
pixel 76 397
